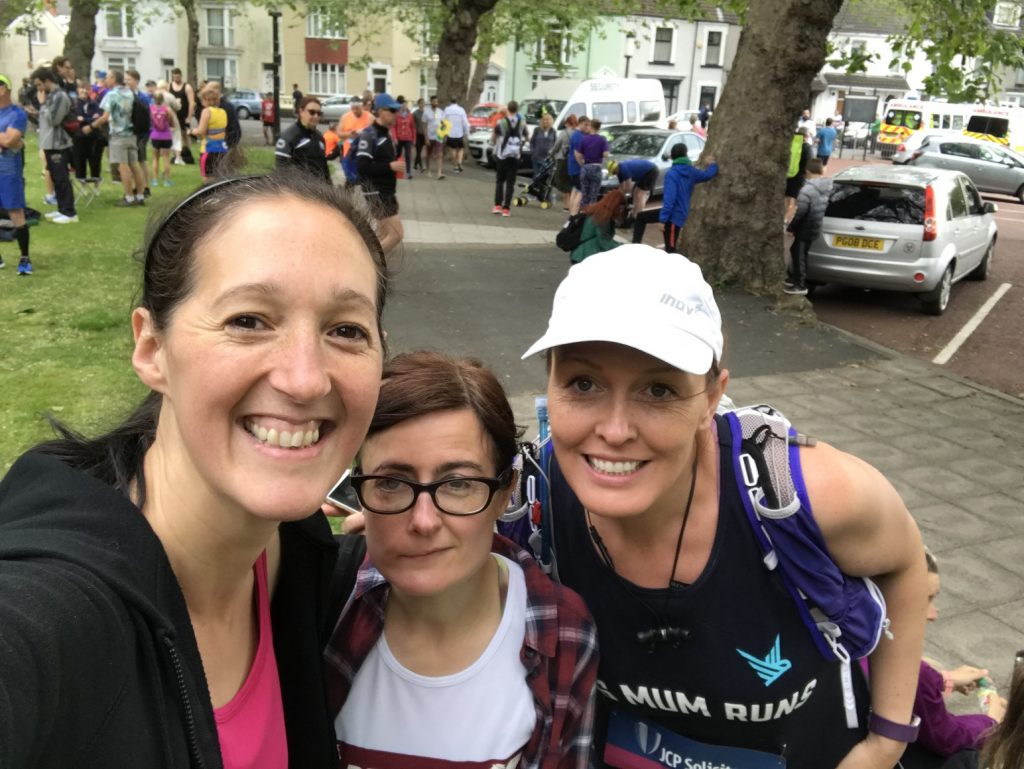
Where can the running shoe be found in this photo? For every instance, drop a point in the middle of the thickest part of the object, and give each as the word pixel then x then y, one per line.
pixel 168 183
pixel 496 210
pixel 2 265
pixel 25 266
pixel 789 288
pixel 124 203
pixel 506 212
pixel 51 214
pixel 61 219
pixel 50 200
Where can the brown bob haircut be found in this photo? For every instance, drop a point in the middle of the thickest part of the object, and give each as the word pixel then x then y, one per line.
pixel 426 382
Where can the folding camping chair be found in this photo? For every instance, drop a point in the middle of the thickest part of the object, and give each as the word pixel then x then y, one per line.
pixel 87 190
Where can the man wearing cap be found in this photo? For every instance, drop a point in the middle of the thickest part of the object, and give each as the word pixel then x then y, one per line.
pixel 378 163
pixel 13 123
pixel 638 176
pixel 301 144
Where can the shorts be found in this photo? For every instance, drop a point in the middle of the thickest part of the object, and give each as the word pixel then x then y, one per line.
pixel 648 180
pixel 124 149
pixel 387 205
pixel 824 159
pixel 455 143
pixel 436 147
pixel 143 142
pixel 574 180
pixel 12 192
pixel 208 163
pixel 793 186
pixel 161 144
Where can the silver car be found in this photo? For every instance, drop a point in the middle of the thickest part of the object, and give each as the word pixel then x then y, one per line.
pixel 654 144
pixel 992 168
pixel 334 107
pixel 900 228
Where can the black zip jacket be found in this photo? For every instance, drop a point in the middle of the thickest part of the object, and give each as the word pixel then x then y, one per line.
pixel 374 153
pixel 98 663
pixel 303 147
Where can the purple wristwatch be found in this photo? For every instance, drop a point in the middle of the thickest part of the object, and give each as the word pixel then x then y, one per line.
pixel 883 727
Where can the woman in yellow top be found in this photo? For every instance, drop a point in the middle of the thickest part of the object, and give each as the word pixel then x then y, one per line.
pixel 212 129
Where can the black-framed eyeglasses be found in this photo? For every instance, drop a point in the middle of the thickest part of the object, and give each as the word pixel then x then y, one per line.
pixel 388 495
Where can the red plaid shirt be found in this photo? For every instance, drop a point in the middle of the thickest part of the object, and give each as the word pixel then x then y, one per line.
pixel 559 653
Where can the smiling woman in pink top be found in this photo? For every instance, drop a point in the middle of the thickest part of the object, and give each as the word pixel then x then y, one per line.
pixel 162 587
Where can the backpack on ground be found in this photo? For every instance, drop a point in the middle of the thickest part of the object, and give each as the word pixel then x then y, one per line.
pixel 140 117
pixel 845 615
pixel 159 120
pixel 571 233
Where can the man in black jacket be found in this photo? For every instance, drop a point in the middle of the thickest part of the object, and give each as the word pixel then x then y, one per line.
pixel 378 163
pixel 301 144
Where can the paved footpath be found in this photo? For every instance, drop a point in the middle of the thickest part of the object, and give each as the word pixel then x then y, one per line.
pixel 474 283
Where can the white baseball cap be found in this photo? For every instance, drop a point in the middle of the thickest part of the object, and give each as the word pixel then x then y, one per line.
pixel 641 297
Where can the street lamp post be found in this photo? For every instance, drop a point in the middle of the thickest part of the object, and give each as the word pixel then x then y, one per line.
pixel 628 57
pixel 275 17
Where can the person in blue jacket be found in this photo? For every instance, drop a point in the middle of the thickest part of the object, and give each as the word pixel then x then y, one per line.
pixel 679 183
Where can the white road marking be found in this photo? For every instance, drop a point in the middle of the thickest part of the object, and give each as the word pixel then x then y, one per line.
pixel 970 327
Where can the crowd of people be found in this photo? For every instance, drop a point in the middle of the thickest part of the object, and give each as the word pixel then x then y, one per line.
pixel 217 621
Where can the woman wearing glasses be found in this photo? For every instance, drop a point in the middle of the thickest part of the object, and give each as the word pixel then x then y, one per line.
pixel 455 648
pixel 302 145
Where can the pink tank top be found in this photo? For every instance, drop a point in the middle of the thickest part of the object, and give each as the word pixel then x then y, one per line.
pixel 251 725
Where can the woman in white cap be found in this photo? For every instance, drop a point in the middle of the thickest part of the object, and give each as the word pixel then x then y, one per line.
pixel 704 654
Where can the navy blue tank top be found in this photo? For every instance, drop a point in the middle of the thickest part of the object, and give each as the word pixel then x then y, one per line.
pixel 749 674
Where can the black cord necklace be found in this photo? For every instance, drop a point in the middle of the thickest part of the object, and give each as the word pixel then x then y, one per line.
pixel 663 632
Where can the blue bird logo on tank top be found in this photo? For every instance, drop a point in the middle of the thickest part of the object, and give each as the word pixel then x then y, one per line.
pixel 772 666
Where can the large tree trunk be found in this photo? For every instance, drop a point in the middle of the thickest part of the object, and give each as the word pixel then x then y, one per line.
pixel 735 227
pixel 192 54
pixel 80 42
pixel 481 61
pixel 455 51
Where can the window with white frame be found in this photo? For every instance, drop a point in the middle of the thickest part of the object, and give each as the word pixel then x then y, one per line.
pixel 327 78
pixel 713 48
pixel 37 36
pixel 1007 14
pixel 120 22
pixel 537 78
pixel 321 25
pixel 222 69
pixel 430 47
pixel 220 30
pixel 121 62
pixel 858 47
pixel 662 51
pixel 553 48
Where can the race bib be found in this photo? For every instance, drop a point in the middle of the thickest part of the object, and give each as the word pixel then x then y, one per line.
pixel 634 743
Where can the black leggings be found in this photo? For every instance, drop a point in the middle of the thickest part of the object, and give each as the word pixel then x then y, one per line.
pixel 87 151
pixel 405 150
pixel 420 141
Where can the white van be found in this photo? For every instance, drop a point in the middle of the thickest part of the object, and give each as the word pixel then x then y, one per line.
pixel 637 101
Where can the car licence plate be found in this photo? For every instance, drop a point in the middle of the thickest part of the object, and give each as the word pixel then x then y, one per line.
pixel 855 241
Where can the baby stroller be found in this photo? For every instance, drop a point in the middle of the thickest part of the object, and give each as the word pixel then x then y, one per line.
pixel 540 185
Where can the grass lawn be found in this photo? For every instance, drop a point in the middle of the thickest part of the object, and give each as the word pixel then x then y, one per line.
pixel 65 333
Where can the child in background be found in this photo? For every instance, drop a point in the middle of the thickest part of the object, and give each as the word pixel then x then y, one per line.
pixel 811 201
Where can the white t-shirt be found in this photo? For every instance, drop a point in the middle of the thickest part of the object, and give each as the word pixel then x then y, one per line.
pixel 460 121
pixel 812 129
pixel 482 716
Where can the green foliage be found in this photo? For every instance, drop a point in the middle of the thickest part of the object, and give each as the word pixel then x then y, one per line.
pixel 967 52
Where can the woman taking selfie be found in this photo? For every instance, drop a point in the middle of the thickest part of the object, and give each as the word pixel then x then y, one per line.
pixel 161 586
pixel 703 650
pixel 457 650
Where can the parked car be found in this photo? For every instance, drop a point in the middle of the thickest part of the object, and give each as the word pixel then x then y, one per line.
pixel 484 115
pixel 899 228
pixel 654 144
pixel 247 103
pixel 905 150
pixel 334 107
pixel 992 168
